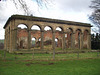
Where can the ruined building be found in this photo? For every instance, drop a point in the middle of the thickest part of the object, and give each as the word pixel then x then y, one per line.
pixel 73 35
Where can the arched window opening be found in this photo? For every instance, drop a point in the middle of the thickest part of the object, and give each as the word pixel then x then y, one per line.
pixel 56 42
pixel 35 32
pixel 85 39
pixel 58 29
pixel 48 37
pixel 35 27
pixel 33 42
pixel 78 38
pixel 59 36
pixel 66 35
pixel 39 39
pixel 22 37
pixel 48 28
pixel 22 43
pixel 68 38
pixel 22 26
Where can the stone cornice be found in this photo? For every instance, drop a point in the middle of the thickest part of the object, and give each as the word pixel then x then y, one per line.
pixel 41 19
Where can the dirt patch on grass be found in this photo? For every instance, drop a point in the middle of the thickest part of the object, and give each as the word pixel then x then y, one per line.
pixel 50 63
pixel 29 64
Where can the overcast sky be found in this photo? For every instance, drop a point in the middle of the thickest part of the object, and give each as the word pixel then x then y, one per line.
pixel 71 10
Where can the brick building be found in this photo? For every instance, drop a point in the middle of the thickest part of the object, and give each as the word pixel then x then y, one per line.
pixel 74 35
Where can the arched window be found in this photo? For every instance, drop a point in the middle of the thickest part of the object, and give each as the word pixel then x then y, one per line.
pixel 85 39
pixel 69 37
pixel 33 42
pixel 22 36
pixel 48 37
pixel 78 38
pixel 59 36
pixel 47 28
pixel 56 42
pixel 35 27
pixel 22 26
pixel 35 32
pixel 59 29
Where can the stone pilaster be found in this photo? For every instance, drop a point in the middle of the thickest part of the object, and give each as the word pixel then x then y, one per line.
pixel 15 39
pixel 53 44
pixel 7 41
pixel 42 38
pixel 53 40
pixel 81 41
pixel 73 41
pixel 63 41
pixel 29 39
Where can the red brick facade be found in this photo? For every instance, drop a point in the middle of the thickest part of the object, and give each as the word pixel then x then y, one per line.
pixel 74 35
pixel 22 36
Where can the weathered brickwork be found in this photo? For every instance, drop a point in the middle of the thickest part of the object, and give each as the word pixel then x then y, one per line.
pixel 73 35
pixel 22 36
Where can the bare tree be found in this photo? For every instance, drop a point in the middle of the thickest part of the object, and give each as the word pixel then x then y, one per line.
pixel 95 16
pixel 24 6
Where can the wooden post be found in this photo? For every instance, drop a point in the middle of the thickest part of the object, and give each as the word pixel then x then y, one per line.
pixel 97 53
pixel 4 54
pixel 33 55
pixel 78 54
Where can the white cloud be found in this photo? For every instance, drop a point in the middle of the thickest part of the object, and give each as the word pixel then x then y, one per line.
pixel 72 10
pixel 7 8
pixel 74 5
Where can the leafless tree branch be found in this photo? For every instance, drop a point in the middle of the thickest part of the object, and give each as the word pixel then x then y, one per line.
pixel 95 16
pixel 24 6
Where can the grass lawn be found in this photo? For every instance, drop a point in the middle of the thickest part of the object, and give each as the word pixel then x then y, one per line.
pixel 65 56
pixel 24 66
pixel 69 67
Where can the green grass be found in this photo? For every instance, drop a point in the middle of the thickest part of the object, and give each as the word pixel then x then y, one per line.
pixel 66 56
pixel 70 67
pixel 43 65
pixel 1 41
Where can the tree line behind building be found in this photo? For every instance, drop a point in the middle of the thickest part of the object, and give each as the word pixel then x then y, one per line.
pixel 2 44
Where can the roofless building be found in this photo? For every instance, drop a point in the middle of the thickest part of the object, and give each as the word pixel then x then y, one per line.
pixel 61 34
